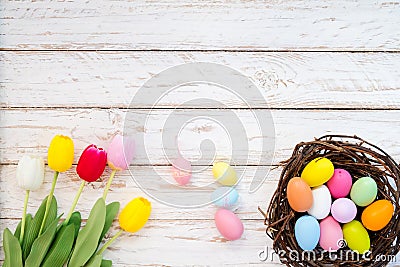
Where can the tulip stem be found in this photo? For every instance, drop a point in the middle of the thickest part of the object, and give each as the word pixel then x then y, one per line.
pixel 108 184
pixel 109 242
pixel 21 236
pixel 71 210
pixel 49 199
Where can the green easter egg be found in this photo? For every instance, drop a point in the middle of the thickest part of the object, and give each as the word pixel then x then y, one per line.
pixel 364 191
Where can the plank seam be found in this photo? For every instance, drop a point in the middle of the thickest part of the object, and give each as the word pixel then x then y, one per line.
pixel 206 50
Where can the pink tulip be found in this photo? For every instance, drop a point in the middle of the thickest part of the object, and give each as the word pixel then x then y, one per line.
pixel 120 152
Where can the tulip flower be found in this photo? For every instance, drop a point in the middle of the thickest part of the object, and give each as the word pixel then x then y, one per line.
pixel 60 157
pixel 61 153
pixel 30 176
pixel 131 219
pixel 135 215
pixel 90 167
pixel 120 154
pixel 92 163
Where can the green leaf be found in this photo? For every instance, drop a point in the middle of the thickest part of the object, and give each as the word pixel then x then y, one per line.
pixel 12 250
pixel 28 221
pixel 106 263
pixel 41 245
pixel 95 261
pixel 111 211
pixel 52 213
pixel 76 221
pixel 61 247
pixel 17 232
pixel 88 237
pixel 32 231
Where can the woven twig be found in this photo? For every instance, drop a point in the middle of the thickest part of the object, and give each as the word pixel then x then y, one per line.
pixel 361 159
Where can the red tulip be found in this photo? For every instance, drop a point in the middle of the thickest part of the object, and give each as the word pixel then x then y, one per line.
pixel 91 164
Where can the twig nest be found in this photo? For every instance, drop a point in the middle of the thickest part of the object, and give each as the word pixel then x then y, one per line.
pixel 354 171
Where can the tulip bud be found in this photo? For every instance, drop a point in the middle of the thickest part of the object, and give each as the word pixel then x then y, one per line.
pixel 91 164
pixel 30 172
pixel 135 215
pixel 61 153
pixel 120 152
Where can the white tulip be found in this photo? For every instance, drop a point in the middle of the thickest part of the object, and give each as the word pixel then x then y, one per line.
pixel 30 172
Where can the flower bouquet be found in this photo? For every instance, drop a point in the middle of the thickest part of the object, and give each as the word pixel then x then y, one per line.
pixel 44 239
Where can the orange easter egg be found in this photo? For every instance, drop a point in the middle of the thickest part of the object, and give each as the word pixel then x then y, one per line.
pixel 377 215
pixel 299 195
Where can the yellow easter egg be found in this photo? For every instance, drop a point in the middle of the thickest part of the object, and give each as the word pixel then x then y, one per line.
pixel 224 173
pixel 356 236
pixel 317 172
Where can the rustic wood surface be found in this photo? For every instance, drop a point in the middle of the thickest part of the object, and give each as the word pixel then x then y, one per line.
pixel 73 67
pixel 288 80
pixel 199 25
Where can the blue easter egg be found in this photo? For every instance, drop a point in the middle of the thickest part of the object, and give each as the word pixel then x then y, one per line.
pixel 225 197
pixel 307 232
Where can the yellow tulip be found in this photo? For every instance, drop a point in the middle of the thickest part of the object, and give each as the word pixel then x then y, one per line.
pixel 132 218
pixel 135 215
pixel 61 153
pixel 59 158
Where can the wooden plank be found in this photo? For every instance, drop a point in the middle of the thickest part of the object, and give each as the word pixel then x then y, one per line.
pixel 184 243
pixel 236 25
pixel 124 188
pixel 286 80
pixel 30 131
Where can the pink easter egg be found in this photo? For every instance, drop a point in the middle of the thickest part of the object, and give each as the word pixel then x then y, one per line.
pixel 182 171
pixel 228 224
pixel 331 234
pixel 340 183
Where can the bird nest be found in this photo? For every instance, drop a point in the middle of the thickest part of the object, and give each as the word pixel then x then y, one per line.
pixel 361 159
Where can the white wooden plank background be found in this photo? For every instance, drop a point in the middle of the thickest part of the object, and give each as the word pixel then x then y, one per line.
pixel 201 25
pixel 291 80
pixel 329 67
pixel 99 125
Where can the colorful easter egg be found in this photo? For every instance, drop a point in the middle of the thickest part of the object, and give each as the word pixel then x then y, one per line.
pixel 340 183
pixel 317 172
pixel 377 215
pixel 182 171
pixel 343 210
pixel 356 236
pixel 299 195
pixel 225 197
pixel 364 191
pixel 331 234
pixel 224 173
pixel 228 224
pixel 322 201
pixel 307 232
